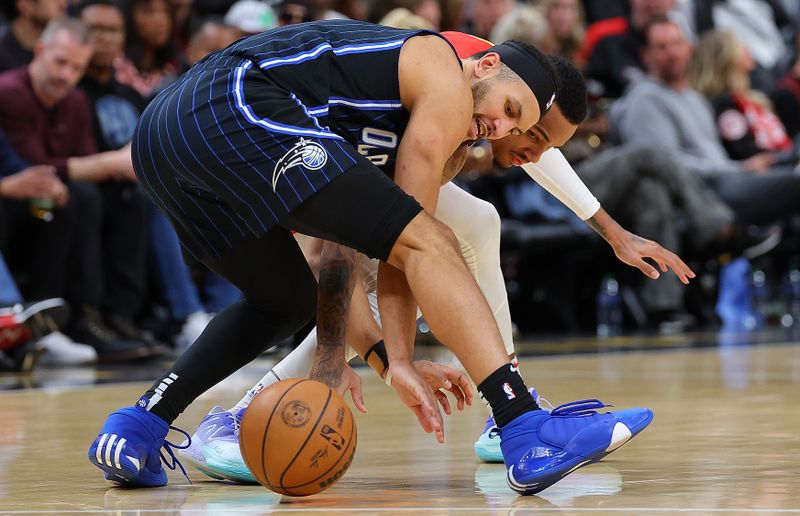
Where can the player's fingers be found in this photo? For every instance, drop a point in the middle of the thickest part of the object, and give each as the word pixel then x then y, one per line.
pixel 444 402
pixel 358 397
pixel 647 269
pixel 458 394
pixel 437 421
pixel 466 388
pixel 460 398
pixel 438 426
pixel 423 418
pixel 677 265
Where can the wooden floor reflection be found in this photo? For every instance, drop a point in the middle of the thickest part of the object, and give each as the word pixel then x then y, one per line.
pixel 726 438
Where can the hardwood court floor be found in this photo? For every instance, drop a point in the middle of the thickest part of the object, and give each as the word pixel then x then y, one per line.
pixel 725 439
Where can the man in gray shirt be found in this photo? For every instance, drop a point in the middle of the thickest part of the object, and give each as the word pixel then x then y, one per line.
pixel 661 110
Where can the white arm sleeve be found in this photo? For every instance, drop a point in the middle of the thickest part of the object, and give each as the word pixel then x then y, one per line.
pixel 557 176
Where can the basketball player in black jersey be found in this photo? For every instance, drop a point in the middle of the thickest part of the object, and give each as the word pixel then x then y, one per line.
pixel 290 129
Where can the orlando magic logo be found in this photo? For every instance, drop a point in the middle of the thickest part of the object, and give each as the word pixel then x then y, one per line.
pixel 309 154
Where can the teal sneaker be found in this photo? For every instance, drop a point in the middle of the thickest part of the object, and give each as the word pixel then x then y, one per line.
pixel 487 447
pixel 214 449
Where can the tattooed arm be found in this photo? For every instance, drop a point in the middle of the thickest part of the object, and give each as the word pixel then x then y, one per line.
pixel 336 282
pixel 633 249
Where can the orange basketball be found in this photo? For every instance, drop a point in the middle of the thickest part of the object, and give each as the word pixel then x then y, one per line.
pixel 298 437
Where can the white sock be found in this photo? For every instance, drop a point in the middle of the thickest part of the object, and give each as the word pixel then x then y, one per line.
pixel 296 364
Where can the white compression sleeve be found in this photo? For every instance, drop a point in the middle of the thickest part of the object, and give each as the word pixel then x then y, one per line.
pixel 557 176
pixel 477 227
pixel 296 364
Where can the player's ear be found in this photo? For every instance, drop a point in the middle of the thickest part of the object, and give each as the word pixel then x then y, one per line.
pixel 487 65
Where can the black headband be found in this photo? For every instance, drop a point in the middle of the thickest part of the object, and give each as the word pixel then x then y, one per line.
pixel 530 70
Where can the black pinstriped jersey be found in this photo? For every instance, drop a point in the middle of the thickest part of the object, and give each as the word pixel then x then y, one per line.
pixel 344 73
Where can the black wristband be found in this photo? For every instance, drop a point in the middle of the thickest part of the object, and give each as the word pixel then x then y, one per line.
pixel 379 348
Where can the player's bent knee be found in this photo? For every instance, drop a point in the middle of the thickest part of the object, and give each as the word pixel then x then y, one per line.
pixel 424 234
pixel 485 226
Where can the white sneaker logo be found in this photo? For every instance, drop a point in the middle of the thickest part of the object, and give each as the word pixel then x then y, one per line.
pixel 109 446
pixel 619 436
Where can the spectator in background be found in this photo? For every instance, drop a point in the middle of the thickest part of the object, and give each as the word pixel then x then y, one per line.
pixel 246 16
pixel 212 35
pixel 614 46
pixel 746 123
pixel 429 10
pixel 117 108
pixel 486 14
pixel 523 23
pixel 39 249
pixel 350 9
pixel 293 11
pixel 757 24
pixel 597 10
pixel 566 22
pixel 28 18
pixel 185 20
pixel 453 17
pixel 786 95
pixel 402 18
pixel 641 187
pixel 151 60
pixel 50 122
pixel 663 111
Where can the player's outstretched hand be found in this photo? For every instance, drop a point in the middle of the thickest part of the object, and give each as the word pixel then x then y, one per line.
pixel 440 376
pixel 416 393
pixel 352 382
pixel 632 249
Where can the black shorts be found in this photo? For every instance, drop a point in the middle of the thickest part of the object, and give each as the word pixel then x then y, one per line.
pixel 227 155
pixel 362 209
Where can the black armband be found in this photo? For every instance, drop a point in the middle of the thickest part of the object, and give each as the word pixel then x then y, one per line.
pixel 379 360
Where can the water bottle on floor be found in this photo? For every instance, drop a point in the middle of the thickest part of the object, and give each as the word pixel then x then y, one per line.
pixel 609 308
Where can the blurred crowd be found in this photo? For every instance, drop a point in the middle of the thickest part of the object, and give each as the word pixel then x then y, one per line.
pixel 691 141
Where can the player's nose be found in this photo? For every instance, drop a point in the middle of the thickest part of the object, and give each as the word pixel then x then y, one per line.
pixel 502 127
pixel 533 155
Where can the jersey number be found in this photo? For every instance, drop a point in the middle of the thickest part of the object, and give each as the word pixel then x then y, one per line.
pixel 372 138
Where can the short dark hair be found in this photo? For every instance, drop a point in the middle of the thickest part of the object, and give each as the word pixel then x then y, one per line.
pixel 658 20
pixel 570 90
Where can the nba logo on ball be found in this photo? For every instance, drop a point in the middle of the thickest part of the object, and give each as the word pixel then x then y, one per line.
pixel 298 437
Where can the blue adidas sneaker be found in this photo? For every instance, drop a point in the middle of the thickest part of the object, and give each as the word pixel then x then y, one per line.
pixel 128 448
pixel 214 448
pixel 542 447
pixel 487 447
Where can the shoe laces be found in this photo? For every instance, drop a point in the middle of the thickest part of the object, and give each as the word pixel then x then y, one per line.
pixel 96 326
pixel 579 408
pixel 168 446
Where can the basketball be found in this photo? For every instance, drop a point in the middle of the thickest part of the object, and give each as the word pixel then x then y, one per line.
pixel 298 437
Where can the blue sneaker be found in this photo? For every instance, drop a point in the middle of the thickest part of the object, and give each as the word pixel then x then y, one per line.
pixel 487 447
pixel 128 448
pixel 540 448
pixel 215 447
